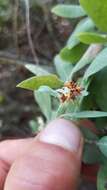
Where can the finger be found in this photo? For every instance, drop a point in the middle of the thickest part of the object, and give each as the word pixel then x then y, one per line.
pixel 4 168
pixel 52 163
pixel 9 151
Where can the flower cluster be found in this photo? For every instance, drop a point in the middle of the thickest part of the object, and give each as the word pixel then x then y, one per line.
pixel 70 91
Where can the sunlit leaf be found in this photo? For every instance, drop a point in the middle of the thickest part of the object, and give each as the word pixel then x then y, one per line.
pixel 89 38
pixel 34 83
pixel 97 10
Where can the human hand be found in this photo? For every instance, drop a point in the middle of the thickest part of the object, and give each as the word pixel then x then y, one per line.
pixel 51 161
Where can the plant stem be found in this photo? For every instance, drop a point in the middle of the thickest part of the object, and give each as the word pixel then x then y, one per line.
pixel 62 108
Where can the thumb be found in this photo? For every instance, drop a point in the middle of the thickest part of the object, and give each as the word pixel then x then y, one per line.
pixel 52 163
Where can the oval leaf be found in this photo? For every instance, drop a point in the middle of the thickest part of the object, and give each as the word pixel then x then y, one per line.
pixel 99 63
pixel 74 54
pixel 97 10
pixel 34 83
pixel 68 11
pixel 89 38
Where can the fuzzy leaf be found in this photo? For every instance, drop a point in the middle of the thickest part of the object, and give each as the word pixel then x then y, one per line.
pixel 68 11
pixel 85 114
pixel 89 38
pixel 84 25
pixel 99 63
pixel 102 178
pixel 63 68
pixel 97 10
pixel 88 56
pixel 34 83
pixel 44 101
pixel 37 70
pixel 48 90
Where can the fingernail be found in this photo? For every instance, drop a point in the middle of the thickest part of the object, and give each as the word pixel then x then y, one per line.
pixel 62 133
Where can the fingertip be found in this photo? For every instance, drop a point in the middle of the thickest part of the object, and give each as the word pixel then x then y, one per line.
pixel 52 162
pixel 63 133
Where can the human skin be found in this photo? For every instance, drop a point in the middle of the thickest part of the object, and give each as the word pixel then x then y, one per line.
pixel 51 161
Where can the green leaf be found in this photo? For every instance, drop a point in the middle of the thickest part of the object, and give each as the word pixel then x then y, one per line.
pixel 37 70
pixel 34 83
pixel 98 89
pixel 68 11
pixel 85 114
pixel 88 56
pixel 97 10
pixel 63 68
pixel 44 102
pixel 102 143
pixel 89 38
pixel 84 25
pixel 99 63
pixel 50 91
pixel 90 149
pixel 74 54
pixel 102 178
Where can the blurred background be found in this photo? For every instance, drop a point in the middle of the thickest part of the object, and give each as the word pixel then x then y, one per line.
pixel 48 34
